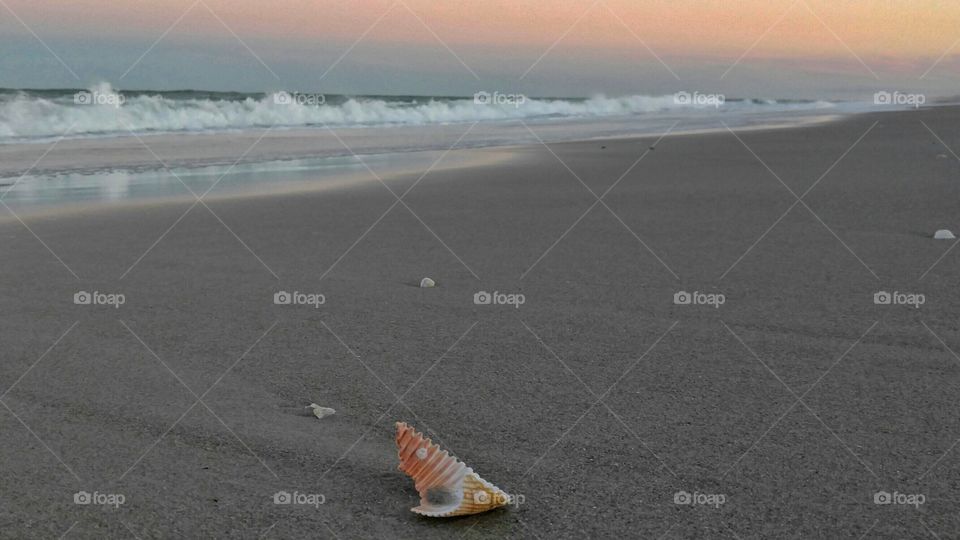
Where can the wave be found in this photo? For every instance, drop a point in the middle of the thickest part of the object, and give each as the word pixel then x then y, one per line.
pixel 101 111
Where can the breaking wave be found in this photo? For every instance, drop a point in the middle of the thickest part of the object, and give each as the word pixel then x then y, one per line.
pixel 101 110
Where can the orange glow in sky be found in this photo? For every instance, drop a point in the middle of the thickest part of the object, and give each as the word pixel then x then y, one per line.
pixel 578 47
pixel 896 29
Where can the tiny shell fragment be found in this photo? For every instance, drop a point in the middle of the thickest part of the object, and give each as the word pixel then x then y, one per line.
pixel 319 411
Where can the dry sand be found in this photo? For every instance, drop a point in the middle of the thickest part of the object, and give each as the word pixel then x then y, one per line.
pixel 694 398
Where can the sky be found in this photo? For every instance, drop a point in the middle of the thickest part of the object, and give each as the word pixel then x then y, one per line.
pixel 559 48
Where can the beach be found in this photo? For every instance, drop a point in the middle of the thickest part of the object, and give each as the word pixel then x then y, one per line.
pixel 777 403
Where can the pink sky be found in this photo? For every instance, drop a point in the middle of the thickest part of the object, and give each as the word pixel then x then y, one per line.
pixel 900 29
pixel 502 38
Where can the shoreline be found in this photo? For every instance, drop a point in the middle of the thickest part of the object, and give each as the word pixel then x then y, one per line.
pixel 143 152
pixel 388 166
pixel 326 181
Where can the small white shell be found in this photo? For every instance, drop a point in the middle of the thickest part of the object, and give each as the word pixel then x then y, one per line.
pixel 320 412
pixel 427 283
pixel 943 234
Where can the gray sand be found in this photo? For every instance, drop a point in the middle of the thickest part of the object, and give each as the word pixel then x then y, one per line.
pixel 686 406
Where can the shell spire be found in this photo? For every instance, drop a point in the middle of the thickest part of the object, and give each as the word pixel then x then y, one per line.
pixel 446 485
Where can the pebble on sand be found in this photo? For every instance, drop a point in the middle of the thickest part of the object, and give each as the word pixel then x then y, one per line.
pixel 321 412
pixel 427 283
pixel 943 234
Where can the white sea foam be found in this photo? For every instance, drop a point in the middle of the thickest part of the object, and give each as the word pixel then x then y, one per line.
pixel 104 111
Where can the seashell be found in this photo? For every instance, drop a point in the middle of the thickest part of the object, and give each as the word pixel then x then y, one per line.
pixel 427 283
pixel 320 412
pixel 446 485
pixel 943 234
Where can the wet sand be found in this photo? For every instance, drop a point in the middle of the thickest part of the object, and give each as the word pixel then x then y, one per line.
pixel 599 400
pixel 257 145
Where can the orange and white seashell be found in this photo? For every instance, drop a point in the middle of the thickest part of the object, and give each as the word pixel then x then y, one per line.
pixel 446 485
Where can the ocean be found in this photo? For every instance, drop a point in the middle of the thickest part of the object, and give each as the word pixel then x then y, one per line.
pixel 101 111
pixel 317 137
